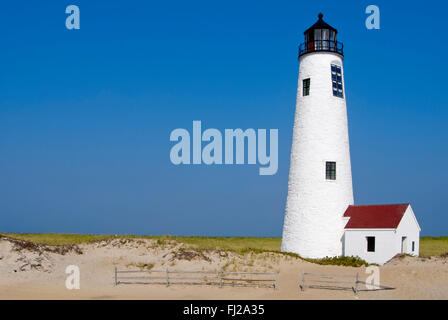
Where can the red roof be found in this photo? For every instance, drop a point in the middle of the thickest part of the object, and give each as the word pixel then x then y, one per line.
pixel 375 216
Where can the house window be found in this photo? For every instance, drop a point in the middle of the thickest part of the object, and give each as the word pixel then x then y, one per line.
pixel 306 87
pixel 330 170
pixel 413 246
pixel 336 78
pixel 370 244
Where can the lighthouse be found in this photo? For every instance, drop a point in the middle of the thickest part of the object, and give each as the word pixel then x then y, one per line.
pixel 320 180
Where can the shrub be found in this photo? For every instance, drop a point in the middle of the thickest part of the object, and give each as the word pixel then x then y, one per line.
pixel 340 261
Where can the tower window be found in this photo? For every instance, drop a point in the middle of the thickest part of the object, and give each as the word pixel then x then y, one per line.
pixel 413 246
pixel 330 170
pixel 306 87
pixel 370 244
pixel 336 78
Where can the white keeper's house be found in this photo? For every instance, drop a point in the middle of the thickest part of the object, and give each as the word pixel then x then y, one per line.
pixel 376 233
pixel 321 219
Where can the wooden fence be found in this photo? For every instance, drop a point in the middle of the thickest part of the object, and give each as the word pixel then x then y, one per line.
pixel 182 277
pixel 336 282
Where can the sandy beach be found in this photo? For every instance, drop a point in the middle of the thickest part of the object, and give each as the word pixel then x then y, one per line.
pixel 29 271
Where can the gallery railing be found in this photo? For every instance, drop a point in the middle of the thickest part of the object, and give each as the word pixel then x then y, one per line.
pixel 321 45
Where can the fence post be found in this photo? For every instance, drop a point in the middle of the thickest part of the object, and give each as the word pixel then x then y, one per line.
pixel 276 281
pixel 116 282
pixel 302 286
pixel 167 278
pixel 356 284
pixel 220 278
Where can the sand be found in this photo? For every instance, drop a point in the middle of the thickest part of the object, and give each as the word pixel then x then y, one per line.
pixel 38 272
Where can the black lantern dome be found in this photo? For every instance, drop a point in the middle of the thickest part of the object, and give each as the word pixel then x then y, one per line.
pixel 321 37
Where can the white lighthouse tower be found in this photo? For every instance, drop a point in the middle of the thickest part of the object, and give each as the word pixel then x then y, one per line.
pixel 320 179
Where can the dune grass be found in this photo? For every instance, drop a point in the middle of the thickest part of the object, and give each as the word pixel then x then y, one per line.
pixel 429 246
pixel 235 244
pixel 56 239
pixel 239 245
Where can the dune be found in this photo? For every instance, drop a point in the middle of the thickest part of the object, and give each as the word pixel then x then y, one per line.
pixel 35 271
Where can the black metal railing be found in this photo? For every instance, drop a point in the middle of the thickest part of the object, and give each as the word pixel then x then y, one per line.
pixel 321 45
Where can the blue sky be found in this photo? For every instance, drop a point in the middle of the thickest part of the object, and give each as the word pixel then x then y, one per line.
pixel 85 115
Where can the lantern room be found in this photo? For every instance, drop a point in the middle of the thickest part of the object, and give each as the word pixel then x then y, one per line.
pixel 321 37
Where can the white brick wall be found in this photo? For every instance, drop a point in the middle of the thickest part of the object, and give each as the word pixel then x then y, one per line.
pixel 313 226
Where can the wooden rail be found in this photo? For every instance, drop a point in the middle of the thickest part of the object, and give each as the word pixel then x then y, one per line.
pixel 334 282
pixel 330 284
pixel 219 278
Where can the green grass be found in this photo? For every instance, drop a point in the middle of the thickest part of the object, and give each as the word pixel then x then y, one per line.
pixel 433 246
pixel 429 246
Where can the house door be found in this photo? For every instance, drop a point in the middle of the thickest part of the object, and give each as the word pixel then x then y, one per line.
pixel 403 244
